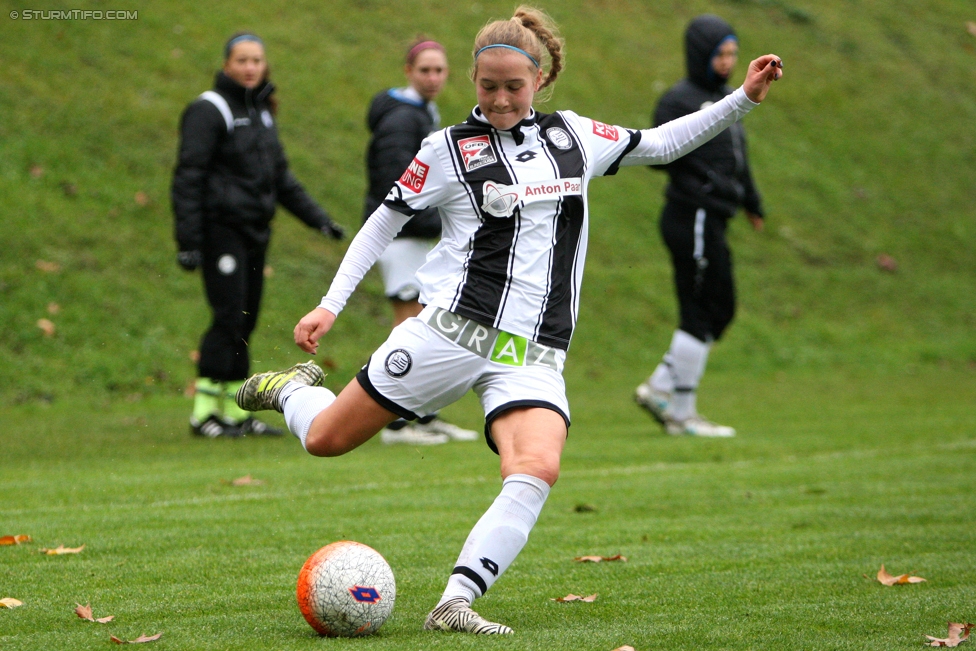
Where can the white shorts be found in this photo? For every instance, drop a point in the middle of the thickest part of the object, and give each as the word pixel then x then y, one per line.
pixel 399 264
pixel 432 360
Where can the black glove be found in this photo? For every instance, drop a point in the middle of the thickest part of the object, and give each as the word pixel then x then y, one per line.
pixel 333 230
pixel 189 260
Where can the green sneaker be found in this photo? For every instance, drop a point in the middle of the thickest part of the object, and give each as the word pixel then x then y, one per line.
pixel 262 391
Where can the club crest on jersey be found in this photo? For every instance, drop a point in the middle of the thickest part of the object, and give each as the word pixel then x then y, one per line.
pixel 398 363
pixel 476 152
pixel 498 201
pixel 559 138
pixel 415 176
pixel 605 131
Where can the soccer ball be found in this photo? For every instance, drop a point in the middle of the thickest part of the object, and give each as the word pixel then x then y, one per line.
pixel 346 589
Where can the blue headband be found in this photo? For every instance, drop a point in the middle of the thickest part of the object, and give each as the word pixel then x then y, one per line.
pixel 510 47
pixel 238 39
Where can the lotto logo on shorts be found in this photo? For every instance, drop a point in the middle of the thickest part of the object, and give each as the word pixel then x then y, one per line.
pixel 415 176
pixel 476 152
pixel 605 131
pixel 398 363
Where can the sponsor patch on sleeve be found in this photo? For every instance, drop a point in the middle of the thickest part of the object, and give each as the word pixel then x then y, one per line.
pixel 415 176
pixel 605 131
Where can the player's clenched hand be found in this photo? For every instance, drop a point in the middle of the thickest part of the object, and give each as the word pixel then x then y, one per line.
pixel 311 328
pixel 762 72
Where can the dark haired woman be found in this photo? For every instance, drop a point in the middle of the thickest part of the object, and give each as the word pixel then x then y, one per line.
pixel 501 287
pixel 230 175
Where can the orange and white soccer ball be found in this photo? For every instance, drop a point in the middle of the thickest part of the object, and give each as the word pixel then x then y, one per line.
pixel 346 589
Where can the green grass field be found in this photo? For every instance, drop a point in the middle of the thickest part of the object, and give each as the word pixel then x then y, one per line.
pixel 853 389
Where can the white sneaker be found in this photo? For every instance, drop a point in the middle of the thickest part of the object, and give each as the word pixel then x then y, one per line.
pixel 453 432
pixel 456 615
pixel 654 401
pixel 411 435
pixel 698 426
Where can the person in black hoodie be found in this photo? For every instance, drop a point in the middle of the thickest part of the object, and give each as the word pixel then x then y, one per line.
pixel 230 175
pixel 399 119
pixel 706 188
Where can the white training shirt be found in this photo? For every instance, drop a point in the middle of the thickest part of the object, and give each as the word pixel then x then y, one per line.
pixel 514 212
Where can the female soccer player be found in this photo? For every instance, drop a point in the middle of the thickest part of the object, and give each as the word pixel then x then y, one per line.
pixel 501 288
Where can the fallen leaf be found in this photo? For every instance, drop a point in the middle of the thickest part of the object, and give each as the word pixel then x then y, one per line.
pixel 138 640
pixel 246 480
pixel 901 579
pixel 53 308
pixel 69 189
pixel 141 198
pixel 886 263
pixel 10 602
pixel 268 271
pixel 61 549
pixel 194 356
pixel 597 559
pixel 971 27
pixel 48 267
pixel 14 540
pixel 575 597
pixel 47 327
pixel 85 612
pixel 626 647
pixel 957 633
pixel 36 171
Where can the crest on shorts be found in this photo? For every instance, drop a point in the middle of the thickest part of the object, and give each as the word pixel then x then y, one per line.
pixel 398 363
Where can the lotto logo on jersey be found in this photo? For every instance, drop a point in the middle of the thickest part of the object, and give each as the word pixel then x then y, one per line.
pixel 476 152
pixel 415 176
pixel 605 131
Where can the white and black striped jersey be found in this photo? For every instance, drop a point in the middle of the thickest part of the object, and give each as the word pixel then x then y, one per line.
pixel 514 212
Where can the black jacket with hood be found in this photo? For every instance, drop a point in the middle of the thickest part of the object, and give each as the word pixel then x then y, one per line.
pixel 235 175
pixel 399 126
pixel 715 176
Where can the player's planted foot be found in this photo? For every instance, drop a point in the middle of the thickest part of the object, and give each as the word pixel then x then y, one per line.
pixel 698 426
pixel 401 431
pixel 452 431
pixel 654 401
pixel 254 426
pixel 214 427
pixel 456 615
pixel 262 391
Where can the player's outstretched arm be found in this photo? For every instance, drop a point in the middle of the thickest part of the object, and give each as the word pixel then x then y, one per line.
pixel 761 74
pixel 312 327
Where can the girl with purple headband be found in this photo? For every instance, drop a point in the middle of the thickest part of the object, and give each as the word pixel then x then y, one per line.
pixel 500 289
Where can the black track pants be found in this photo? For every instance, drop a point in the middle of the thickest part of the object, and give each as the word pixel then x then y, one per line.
pixel 233 276
pixel 702 269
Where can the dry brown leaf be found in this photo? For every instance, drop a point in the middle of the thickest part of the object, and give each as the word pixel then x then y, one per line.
pixel 85 612
pixel 575 597
pixel 10 602
pixel 886 263
pixel 47 327
pixel 138 640
pixel 971 27
pixel 597 559
pixel 901 579
pixel 626 647
pixel 36 171
pixel 957 633
pixel 47 267
pixel 268 271
pixel 15 540
pixel 246 480
pixel 53 308
pixel 61 549
pixel 141 198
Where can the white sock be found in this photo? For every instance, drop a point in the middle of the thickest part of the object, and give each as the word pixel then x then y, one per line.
pixel 661 379
pixel 301 404
pixel 686 360
pixel 497 538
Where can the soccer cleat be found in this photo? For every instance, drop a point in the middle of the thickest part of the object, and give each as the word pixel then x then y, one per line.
pixel 412 435
pixel 262 391
pixel 254 426
pixel 453 432
pixel 214 427
pixel 698 426
pixel 654 401
pixel 456 615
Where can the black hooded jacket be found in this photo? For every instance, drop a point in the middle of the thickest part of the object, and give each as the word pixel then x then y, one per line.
pixel 399 127
pixel 715 176
pixel 234 176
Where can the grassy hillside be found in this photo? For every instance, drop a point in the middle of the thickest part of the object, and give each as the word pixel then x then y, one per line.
pixel 865 148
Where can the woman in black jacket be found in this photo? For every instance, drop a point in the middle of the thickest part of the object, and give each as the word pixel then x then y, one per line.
pixel 231 174
pixel 706 188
